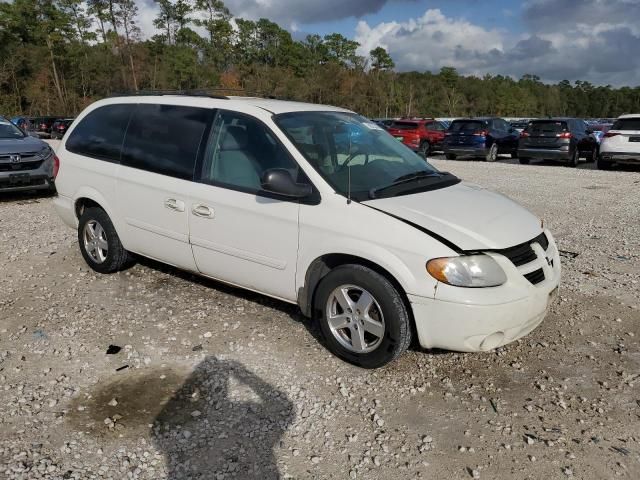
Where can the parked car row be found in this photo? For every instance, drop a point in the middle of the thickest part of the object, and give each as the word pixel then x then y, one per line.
pixel 563 139
pixel 43 127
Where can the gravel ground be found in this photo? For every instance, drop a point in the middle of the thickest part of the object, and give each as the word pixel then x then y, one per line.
pixel 213 382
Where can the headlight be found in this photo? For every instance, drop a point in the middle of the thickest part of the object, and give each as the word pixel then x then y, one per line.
pixel 467 271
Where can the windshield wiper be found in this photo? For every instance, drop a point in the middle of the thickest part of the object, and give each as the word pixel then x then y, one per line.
pixel 409 177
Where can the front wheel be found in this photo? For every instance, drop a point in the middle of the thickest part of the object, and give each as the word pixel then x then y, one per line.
pixel 363 317
pixel 603 165
pixel 99 242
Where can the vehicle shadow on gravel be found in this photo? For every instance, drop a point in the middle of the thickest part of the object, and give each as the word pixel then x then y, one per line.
pixel 224 421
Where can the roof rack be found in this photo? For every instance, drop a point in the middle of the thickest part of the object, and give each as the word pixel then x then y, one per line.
pixel 208 92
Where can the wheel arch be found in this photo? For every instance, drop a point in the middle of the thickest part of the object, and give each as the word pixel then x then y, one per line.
pixel 322 265
pixel 88 198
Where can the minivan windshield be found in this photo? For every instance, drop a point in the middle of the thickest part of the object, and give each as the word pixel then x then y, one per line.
pixel 359 158
pixel 8 130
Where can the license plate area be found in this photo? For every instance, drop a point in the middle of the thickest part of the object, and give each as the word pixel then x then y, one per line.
pixel 19 178
pixel 634 139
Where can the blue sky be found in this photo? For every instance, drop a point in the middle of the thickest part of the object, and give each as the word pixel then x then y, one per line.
pixel 592 40
pixel 492 14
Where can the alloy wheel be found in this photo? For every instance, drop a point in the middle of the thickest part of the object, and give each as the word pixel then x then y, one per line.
pixel 355 318
pixel 95 241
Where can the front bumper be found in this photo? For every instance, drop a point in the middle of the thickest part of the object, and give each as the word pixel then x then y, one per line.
pixel 621 157
pixel 544 153
pixel 40 178
pixel 472 320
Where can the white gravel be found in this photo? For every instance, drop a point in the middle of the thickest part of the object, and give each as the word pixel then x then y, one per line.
pixel 221 383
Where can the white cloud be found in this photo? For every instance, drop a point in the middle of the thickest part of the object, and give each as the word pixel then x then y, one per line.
pixel 603 52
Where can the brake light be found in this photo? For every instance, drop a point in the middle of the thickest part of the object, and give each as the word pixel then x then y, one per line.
pixel 481 133
pixel 56 166
pixel 564 135
pixel 610 134
pixel 524 134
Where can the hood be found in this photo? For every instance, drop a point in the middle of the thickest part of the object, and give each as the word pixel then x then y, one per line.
pixel 469 216
pixel 21 145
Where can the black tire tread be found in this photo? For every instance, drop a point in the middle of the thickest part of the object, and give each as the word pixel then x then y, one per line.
pixel 403 319
pixel 117 258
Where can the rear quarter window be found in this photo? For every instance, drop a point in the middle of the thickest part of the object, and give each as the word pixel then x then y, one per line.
pixel 100 133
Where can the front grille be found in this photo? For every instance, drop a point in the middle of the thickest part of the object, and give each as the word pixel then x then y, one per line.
pixel 535 277
pixel 16 167
pixel 523 253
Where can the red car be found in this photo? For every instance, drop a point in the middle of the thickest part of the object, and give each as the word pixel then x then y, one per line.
pixel 422 135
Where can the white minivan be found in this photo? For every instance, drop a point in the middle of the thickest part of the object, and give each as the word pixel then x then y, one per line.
pixel 313 205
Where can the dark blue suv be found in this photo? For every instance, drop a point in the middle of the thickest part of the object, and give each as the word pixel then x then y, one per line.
pixel 484 137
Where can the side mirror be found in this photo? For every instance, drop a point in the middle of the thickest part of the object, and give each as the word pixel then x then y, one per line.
pixel 279 181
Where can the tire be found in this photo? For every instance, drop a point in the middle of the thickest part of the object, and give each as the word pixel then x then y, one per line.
pixel 450 156
pixel 573 161
pixel 108 255
pixel 425 149
pixel 387 316
pixel 593 156
pixel 524 161
pixel 492 155
pixel 602 165
pixel 514 155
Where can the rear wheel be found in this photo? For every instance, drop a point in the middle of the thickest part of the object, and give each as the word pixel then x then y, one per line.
pixel 524 161
pixel 99 242
pixel 425 149
pixel 363 317
pixel 492 155
pixel 450 156
pixel 573 162
pixel 602 164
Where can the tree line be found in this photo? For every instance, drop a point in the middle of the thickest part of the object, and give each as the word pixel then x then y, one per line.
pixel 58 56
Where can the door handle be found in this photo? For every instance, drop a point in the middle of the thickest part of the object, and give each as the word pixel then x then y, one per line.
pixel 203 211
pixel 173 204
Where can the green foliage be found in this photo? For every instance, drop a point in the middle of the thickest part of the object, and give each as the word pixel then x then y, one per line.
pixel 57 56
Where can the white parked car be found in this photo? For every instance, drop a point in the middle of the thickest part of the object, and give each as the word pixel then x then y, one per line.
pixel 621 144
pixel 313 205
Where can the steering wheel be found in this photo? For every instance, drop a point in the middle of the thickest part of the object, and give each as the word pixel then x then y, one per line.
pixel 350 158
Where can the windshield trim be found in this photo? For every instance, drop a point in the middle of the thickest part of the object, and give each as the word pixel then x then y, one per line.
pixel 446 178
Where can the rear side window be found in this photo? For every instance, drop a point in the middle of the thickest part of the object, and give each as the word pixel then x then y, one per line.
pixel 100 133
pixel 166 139
pixel 437 126
pixel 627 124
pixel 459 125
pixel 548 127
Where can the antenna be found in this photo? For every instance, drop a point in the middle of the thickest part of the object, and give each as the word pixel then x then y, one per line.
pixel 349 186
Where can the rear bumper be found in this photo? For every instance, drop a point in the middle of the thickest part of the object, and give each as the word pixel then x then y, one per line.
pixel 621 157
pixel 543 153
pixel 65 208
pixel 478 151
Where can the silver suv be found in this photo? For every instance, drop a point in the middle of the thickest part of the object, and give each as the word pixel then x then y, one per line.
pixel 26 163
